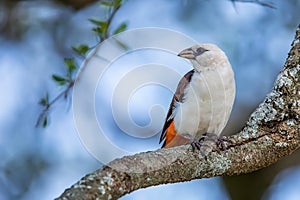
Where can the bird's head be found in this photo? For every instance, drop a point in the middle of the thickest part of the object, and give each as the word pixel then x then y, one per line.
pixel 204 56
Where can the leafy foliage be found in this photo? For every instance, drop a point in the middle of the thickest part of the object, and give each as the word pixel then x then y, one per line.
pixel 43 119
pixel 60 80
pixel 102 30
pixel 81 49
pixel 122 27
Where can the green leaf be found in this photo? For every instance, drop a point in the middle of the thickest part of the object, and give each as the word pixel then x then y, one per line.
pixel 122 27
pixel 70 63
pixel 97 22
pixel 104 26
pixel 60 80
pixel 44 101
pixel 81 49
pixel 98 30
pixel 45 121
pixel 101 28
pixel 117 3
pixel 107 3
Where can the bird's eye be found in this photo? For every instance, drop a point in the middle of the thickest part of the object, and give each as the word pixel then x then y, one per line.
pixel 201 50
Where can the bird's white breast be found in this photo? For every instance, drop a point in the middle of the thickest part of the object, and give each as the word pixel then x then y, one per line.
pixel 207 103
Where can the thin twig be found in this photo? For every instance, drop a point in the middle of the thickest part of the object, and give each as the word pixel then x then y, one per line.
pixel 262 3
pixel 65 92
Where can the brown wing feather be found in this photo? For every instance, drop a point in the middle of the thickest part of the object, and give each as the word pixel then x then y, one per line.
pixel 178 97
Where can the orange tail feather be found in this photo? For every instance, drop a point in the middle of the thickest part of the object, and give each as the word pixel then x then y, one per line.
pixel 173 139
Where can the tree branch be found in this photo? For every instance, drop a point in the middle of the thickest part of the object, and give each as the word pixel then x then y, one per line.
pixel 271 133
pixel 262 3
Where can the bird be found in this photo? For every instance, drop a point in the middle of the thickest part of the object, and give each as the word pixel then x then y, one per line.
pixel 203 100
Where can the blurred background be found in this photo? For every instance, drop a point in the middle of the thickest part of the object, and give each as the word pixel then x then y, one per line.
pixel 35 36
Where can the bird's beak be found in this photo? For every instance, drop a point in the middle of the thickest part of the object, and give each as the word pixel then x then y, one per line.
pixel 187 53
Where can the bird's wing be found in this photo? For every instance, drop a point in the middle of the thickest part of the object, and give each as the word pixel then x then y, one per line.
pixel 178 97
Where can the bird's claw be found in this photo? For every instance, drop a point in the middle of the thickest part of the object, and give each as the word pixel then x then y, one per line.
pixel 206 143
pixel 201 146
pixel 221 142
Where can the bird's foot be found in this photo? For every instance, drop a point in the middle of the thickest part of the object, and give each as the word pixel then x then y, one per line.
pixel 219 141
pixel 201 146
pixel 208 142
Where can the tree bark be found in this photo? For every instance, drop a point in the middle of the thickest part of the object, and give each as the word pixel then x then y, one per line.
pixel 271 133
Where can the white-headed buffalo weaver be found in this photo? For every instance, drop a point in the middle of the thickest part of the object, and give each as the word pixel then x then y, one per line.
pixel 203 99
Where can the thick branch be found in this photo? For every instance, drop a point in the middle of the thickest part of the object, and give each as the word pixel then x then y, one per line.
pixel 271 133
